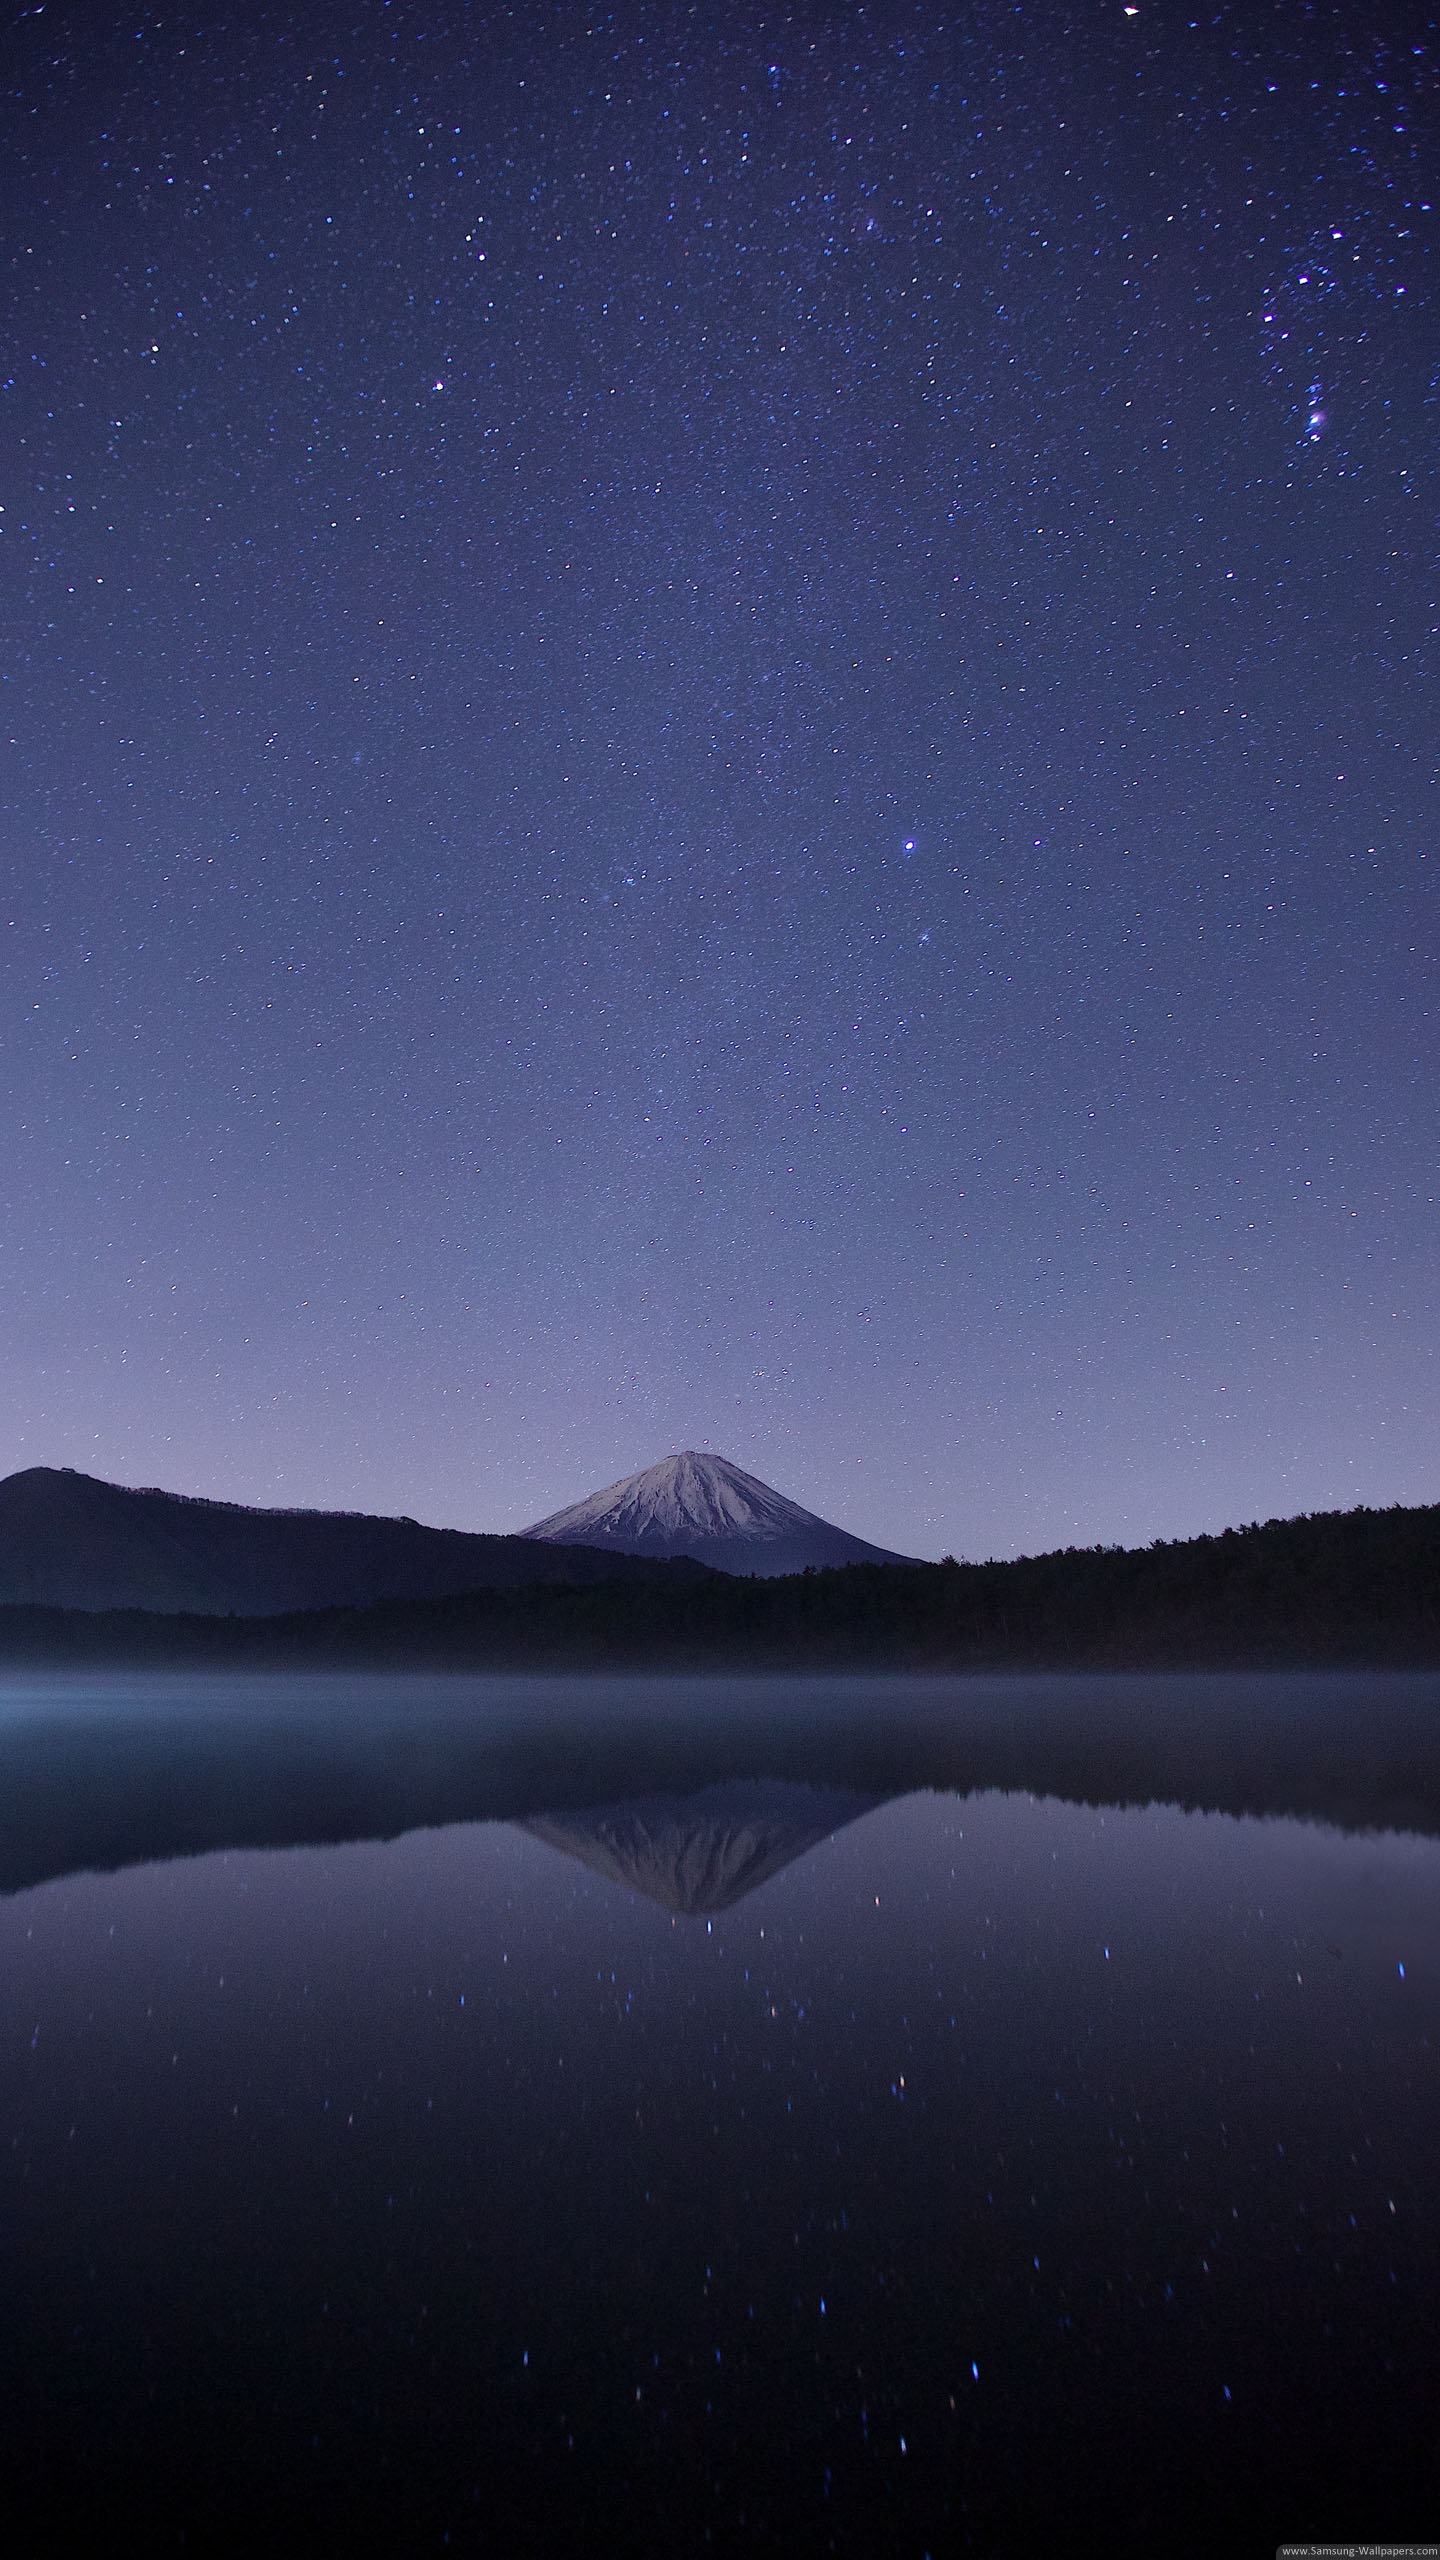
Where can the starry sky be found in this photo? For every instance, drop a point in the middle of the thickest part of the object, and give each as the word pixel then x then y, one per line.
pixel 719 728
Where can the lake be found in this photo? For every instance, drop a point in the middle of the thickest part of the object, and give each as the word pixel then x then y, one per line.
pixel 870 2116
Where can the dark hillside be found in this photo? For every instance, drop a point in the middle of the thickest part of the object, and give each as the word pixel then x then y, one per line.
pixel 1337 1588
pixel 69 1541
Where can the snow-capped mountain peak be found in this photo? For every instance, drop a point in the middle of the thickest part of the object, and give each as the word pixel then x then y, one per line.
pixel 696 1503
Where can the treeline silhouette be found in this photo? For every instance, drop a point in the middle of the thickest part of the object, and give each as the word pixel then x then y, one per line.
pixel 1355 1588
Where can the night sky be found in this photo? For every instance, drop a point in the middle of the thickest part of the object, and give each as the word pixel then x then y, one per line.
pixel 719 728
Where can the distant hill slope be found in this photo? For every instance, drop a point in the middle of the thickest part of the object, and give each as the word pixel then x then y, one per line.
pixel 71 1541
pixel 1337 1588
pixel 702 1506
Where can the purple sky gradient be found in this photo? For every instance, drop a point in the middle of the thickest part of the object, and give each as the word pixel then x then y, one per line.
pixel 719 729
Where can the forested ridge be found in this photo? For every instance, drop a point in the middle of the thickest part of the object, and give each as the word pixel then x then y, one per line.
pixel 1353 1587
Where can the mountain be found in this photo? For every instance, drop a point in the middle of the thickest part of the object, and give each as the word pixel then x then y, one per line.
pixel 71 1541
pixel 707 1508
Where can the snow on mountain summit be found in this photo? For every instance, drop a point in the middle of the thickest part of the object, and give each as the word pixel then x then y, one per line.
pixel 697 1504
pixel 689 1495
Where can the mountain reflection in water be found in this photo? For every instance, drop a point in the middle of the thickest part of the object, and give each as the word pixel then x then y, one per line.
pixel 107 1773
pixel 701 1853
pixel 1009 2175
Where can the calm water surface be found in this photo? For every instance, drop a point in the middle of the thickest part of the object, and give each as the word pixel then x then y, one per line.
pixel 768 2162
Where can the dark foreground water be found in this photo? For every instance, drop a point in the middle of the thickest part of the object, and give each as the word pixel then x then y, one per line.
pixel 732 2148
